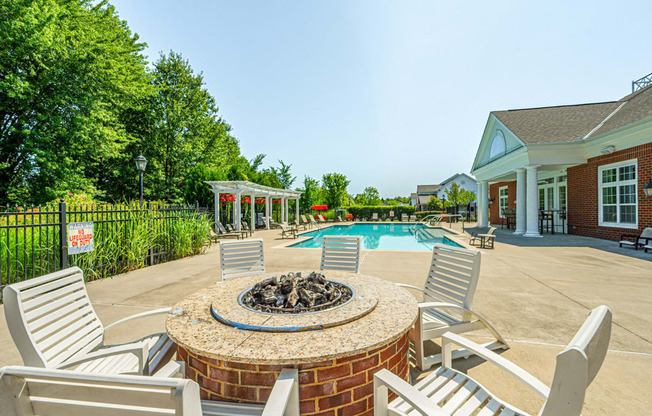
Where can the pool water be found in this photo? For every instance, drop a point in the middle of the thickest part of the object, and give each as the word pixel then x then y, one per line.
pixel 412 237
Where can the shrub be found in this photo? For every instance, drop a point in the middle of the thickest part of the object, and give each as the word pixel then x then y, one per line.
pixel 365 212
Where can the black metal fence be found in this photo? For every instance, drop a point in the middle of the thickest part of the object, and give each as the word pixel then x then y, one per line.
pixel 34 240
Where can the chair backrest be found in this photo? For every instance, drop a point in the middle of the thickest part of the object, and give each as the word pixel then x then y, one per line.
pixel 28 391
pixel 374 216
pixel 491 230
pixel 51 318
pixel 339 252
pixel 240 258
pixel 578 365
pixel 303 218
pixel 220 227
pixel 453 276
pixel 647 233
pixel 404 217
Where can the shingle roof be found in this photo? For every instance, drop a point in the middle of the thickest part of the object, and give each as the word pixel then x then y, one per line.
pixel 569 123
pixel 423 189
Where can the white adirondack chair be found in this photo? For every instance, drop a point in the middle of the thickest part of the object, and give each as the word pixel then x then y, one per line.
pixel 340 252
pixel 446 391
pixel 54 325
pixel 240 258
pixel 26 391
pixel 448 298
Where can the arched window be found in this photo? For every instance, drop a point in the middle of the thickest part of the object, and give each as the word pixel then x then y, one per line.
pixel 497 145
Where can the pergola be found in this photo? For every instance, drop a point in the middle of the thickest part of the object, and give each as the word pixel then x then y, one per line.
pixel 253 191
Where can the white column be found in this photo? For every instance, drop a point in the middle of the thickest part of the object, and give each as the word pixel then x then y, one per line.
pixel 483 206
pixel 252 206
pixel 296 209
pixel 234 210
pixel 521 204
pixel 532 208
pixel 238 204
pixel 287 210
pixel 268 210
pixel 217 210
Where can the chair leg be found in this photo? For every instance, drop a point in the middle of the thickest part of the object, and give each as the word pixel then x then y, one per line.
pixel 418 344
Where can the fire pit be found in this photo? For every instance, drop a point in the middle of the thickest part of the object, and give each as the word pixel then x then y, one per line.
pixel 235 351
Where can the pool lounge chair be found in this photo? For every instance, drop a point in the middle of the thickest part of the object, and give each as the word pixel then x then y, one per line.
pixel 300 224
pixel 305 221
pixel 224 233
pixel 483 237
pixel 54 325
pixel 241 233
pixel 374 216
pixel 28 391
pixel 413 218
pixel 448 299
pixel 639 240
pixel 286 230
pixel 447 391
pixel 404 217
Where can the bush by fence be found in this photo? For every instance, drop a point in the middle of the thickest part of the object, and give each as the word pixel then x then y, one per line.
pixel 33 241
pixel 365 212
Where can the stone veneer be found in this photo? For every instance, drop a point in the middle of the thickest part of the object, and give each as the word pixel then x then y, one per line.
pixel 342 386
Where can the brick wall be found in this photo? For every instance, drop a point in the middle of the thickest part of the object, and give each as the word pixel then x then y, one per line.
pixel 583 194
pixel 494 213
pixel 341 387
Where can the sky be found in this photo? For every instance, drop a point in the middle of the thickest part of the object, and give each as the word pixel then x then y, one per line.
pixel 392 93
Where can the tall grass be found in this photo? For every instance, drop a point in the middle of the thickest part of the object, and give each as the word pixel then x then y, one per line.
pixel 125 238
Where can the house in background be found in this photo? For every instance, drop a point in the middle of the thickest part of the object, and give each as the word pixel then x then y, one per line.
pixel 585 165
pixel 420 198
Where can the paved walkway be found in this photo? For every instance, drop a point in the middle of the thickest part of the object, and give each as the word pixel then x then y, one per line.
pixel 537 292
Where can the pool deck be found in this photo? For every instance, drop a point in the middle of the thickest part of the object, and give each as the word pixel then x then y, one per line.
pixel 536 292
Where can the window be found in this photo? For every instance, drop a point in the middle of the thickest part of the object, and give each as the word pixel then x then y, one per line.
pixel 502 200
pixel 542 198
pixel 617 195
pixel 497 145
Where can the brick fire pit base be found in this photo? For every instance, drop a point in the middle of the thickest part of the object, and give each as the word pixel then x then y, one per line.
pixel 342 387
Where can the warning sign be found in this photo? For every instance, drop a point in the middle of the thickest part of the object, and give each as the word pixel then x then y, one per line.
pixel 80 237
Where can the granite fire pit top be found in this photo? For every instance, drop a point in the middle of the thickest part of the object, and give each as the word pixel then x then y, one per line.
pixel 379 313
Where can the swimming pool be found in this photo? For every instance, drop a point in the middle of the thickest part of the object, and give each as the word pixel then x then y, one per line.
pixel 413 237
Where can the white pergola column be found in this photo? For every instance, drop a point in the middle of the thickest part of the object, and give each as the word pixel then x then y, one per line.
pixel 234 210
pixel 287 210
pixel 483 206
pixel 521 201
pixel 217 210
pixel 532 208
pixel 268 210
pixel 296 210
pixel 238 204
pixel 252 205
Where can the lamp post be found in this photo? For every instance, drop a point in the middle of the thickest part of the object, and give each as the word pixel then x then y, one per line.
pixel 141 163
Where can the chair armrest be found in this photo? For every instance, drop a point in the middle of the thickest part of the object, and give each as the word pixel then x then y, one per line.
pixel 409 286
pixel 442 305
pixel 139 349
pixel 385 379
pixel 517 372
pixel 138 315
pixel 284 398
pixel 173 369
pixel 622 236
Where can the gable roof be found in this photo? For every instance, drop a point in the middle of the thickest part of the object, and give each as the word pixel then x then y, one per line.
pixel 455 176
pixel 569 123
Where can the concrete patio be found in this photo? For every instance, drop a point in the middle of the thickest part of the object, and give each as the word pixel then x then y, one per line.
pixel 536 292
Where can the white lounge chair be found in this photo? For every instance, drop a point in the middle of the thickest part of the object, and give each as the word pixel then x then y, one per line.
pixel 242 258
pixel 404 217
pixel 286 230
pixel 374 216
pixel 340 252
pixel 413 218
pixel 638 240
pixel 26 391
pixel 305 221
pixel 487 236
pixel 448 298
pixel 53 324
pixel 448 392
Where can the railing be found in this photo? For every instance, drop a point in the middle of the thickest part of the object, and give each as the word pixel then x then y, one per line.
pixel 641 83
pixel 34 240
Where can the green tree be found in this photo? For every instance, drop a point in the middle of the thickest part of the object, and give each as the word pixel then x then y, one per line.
pixel 370 196
pixel 186 131
pixel 284 175
pixel 69 70
pixel 310 194
pixel 435 204
pixel 457 196
pixel 335 185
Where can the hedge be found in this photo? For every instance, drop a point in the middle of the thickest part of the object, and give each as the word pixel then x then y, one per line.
pixel 365 212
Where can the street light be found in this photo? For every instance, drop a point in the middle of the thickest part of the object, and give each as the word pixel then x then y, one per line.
pixel 648 188
pixel 141 163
